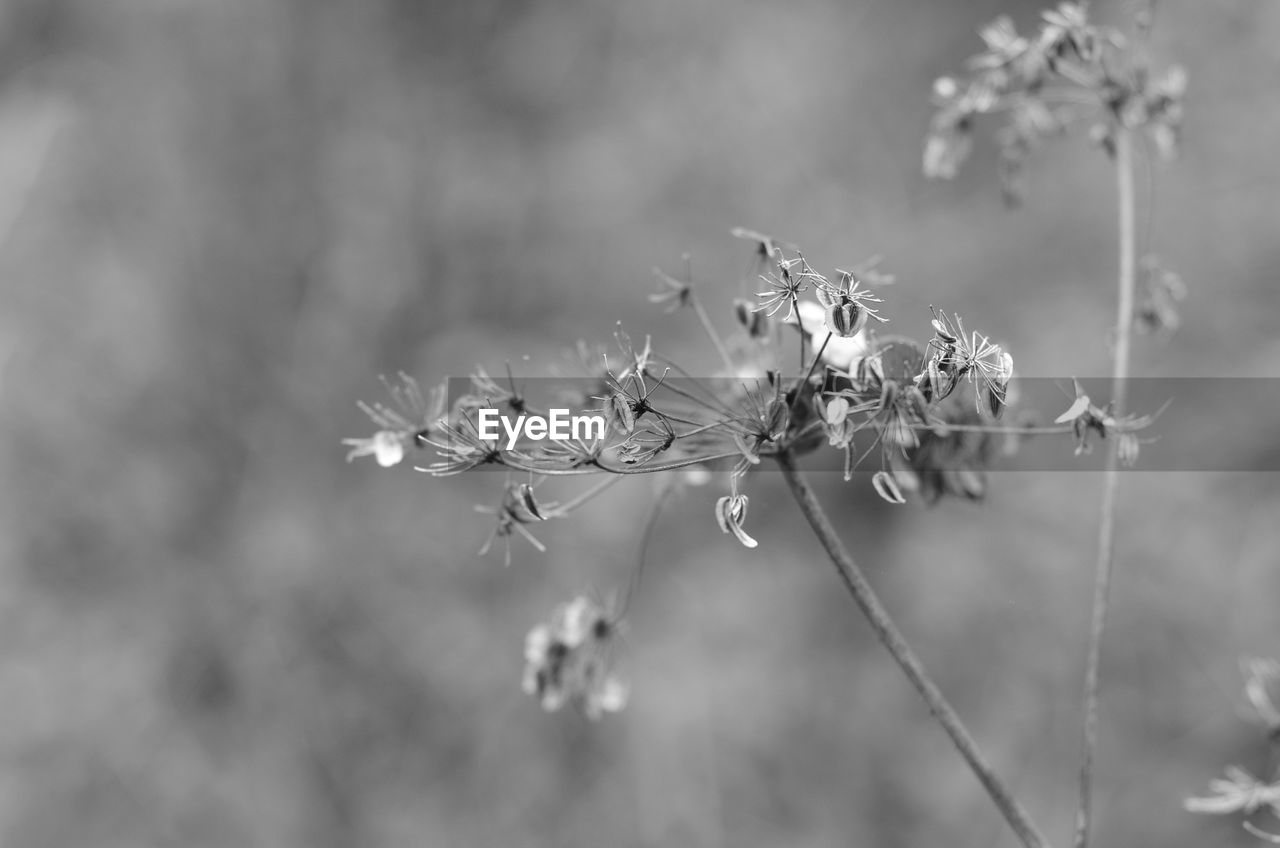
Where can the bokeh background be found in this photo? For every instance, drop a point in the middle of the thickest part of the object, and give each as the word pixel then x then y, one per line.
pixel 222 220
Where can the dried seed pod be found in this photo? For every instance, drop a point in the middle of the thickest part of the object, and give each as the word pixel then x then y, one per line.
pixel 887 487
pixel 523 498
pixel 846 319
pixel 731 512
pixel 621 415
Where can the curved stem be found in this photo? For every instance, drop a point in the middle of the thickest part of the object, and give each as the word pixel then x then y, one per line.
pixel 1111 480
pixel 889 635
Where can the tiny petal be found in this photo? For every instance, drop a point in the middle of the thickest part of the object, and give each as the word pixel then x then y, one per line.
pixel 887 487
pixel 524 496
pixel 384 446
pixel 610 697
pixel 944 152
pixel 537 643
pixel 1262 689
pixel 1128 449
pixel 837 411
pixel 1078 408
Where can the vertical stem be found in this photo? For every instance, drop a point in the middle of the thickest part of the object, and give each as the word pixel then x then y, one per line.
pixel 817 357
pixel 710 328
pixel 1111 480
pixel 889 635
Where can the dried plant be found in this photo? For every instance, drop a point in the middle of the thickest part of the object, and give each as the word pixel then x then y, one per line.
pixel 809 370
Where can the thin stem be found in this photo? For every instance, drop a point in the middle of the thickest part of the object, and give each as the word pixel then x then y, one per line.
pixel 646 533
pixel 713 399
pixel 1111 480
pixel 562 510
pixel 703 429
pixel 795 309
pixel 889 635
pixel 711 333
pixel 817 357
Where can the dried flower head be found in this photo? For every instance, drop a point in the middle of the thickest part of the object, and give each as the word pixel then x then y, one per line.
pixel 568 660
pixel 460 448
pixel 674 295
pixel 785 286
pixel 517 508
pixel 1070 72
pixel 846 305
pixel 407 423
pixel 953 356
pixel 1086 419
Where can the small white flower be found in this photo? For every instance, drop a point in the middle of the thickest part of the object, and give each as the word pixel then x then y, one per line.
pixel 385 446
pixel 1239 792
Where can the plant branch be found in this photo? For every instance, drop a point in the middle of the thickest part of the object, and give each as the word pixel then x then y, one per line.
pixel 1111 479
pixel 889 635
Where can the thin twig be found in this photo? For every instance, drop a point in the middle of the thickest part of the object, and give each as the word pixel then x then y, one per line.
pixel 889 635
pixel 1111 481
pixel 562 510
pixel 710 328
pixel 646 534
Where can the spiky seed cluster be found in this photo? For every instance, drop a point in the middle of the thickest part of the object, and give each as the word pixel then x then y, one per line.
pixel 954 357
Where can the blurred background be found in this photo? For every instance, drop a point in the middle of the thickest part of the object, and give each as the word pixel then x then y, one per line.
pixel 222 220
